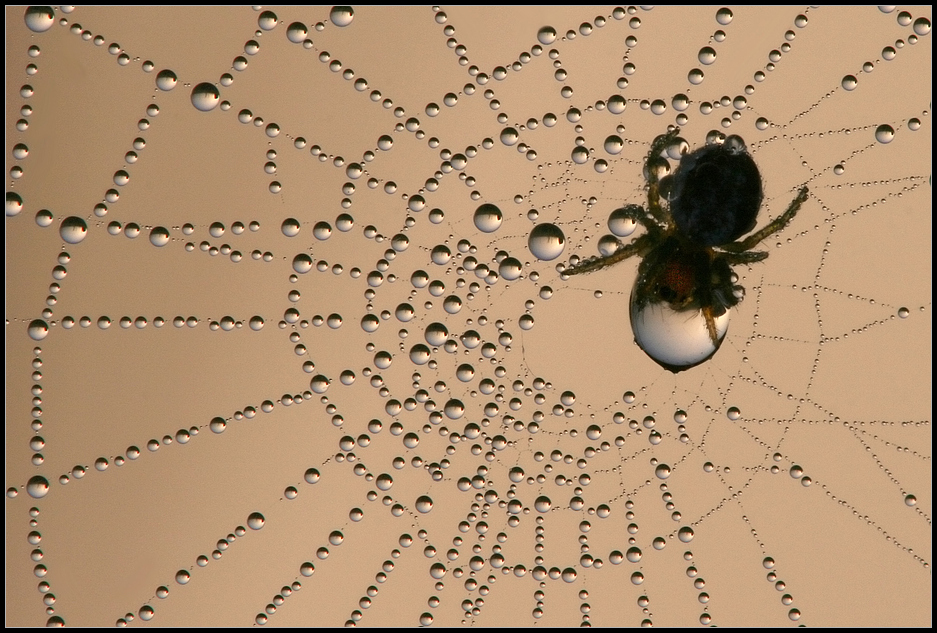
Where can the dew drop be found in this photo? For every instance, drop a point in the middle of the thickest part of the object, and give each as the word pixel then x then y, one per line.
pixel 37 329
pixel 205 97
pixel 37 487
pixel 884 134
pixel 546 35
pixel 302 263
pixel 685 534
pixel 159 236
pixel 733 413
pixel 488 218
pixel 662 471
pixel 217 425
pixel 424 504
pixel 903 313
pixel 166 80
pixel 39 19
pixel 546 242
pixel 255 521
pixel 14 204
pixel 296 32
pixel 73 229
pixel 341 16
pixel 850 82
pixel 542 504
pixel 311 476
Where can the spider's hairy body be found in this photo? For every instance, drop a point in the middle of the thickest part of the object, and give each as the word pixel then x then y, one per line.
pixel 694 222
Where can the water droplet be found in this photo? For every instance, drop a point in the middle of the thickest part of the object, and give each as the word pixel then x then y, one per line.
pixel 302 263
pixel 205 97
pixel 633 555
pixel 733 413
pixel 159 236
pixel 182 577
pixel 488 218
pixel 39 19
pixel 14 204
pixel 922 26
pixel 546 242
pixel 37 329
pixel 546 35
pixel 341 16
pixel 685 534
pixel 903 313
pixel 146 612
pixel 910 501
pixel 614 144
pixel 850 82
pixel 724 16
pixel 676 340
pixel 423 504
pixel 311 476
pixel 662 471
pixel 707 55
pixel 166 80
pixel 37 487
pixel 384 482
pixel 884 134
pixel 542 504
pixel 255 521
pixel 73 229
pixel 267 20
pixel 509 136
pixel 510 269
pixel 217 425
pixel 296 32
pixel 621 222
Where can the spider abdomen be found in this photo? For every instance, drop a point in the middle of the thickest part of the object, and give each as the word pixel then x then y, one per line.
pixel 716 193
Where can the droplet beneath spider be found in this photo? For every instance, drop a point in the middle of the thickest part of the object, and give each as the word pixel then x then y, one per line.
pixel 675 340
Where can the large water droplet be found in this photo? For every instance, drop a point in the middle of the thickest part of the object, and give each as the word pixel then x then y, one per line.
pixel 37 329
pixel 546 35
pixel 488 218
pixel 676 340
pixel 255 521
pixel 37 487
pixel 546 242
pixel 14 204
pixel 73 229
pixel 166 80
pixel 205 96
pixel 884 134
pixel 39 19
pixel 341 16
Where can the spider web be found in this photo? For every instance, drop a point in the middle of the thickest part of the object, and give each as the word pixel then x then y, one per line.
pixel 544 470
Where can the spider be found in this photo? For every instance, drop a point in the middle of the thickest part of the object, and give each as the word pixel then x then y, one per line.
pixel 693 224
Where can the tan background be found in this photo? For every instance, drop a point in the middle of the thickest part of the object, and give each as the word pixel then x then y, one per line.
pixel 825 373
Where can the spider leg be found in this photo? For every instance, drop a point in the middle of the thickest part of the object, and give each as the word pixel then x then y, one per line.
pixel 652 166
pixel 771 228
pixel 637 247
pixel 745 257
pixel 711 326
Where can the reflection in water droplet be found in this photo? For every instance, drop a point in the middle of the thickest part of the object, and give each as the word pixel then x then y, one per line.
pixel 546 242
pixel 205 97
pixel 73 229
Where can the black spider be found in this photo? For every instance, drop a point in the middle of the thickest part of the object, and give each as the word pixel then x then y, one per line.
pixel 693 222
